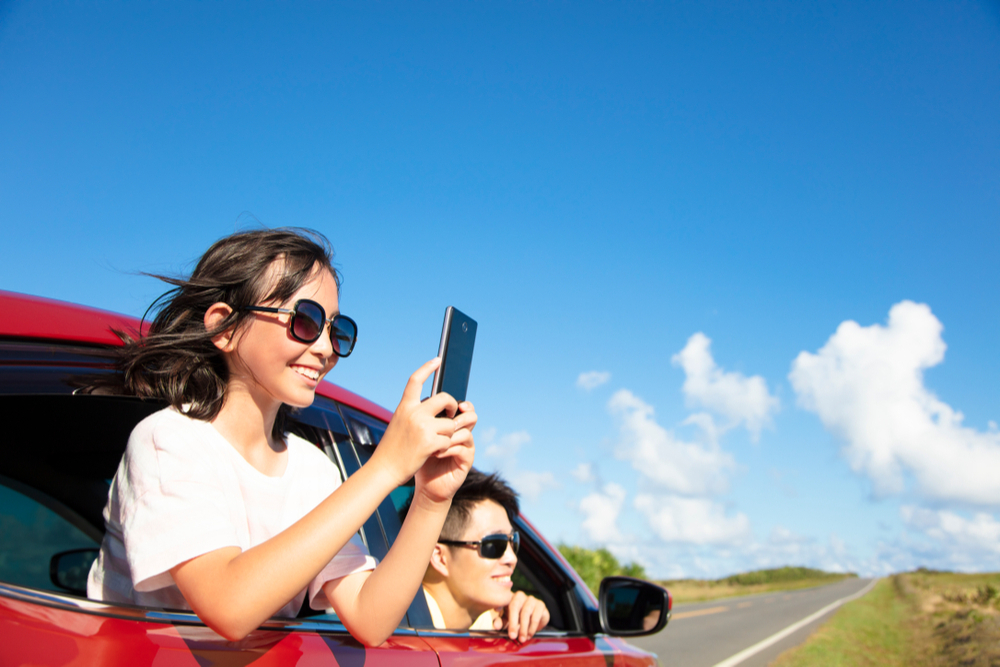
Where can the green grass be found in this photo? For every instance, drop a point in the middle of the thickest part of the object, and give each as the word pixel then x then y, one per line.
pixel 922 619
pixel 750 583
pixel 872 630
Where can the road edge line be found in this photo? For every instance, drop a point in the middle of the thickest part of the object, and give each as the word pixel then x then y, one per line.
pixel 781 634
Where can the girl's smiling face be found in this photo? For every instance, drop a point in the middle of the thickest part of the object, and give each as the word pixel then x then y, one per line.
pixel 272 366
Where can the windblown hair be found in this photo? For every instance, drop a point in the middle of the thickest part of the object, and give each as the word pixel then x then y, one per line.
pixel 476 488
pixel 176 361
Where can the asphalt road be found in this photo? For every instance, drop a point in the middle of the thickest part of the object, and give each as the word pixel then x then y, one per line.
pixel 704 634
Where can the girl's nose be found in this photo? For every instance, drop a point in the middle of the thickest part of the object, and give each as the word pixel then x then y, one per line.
pixel 323 345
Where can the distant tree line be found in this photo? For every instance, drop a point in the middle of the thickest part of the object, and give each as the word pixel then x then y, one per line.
pixel 594 564
pixel 779 574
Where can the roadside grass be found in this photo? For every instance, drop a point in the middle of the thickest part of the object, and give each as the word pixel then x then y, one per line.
pixel 922 618
pixel 750 583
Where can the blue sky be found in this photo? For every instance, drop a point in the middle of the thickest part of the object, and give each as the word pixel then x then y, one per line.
pixel 665 217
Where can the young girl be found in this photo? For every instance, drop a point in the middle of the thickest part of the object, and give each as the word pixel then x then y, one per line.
pixel 215 508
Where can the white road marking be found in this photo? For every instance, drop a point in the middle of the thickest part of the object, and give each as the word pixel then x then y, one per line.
pixel 778 636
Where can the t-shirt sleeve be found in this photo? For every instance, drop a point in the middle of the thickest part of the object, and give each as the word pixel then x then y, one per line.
pixel 172 498
pixel 354 556
pixel 351 559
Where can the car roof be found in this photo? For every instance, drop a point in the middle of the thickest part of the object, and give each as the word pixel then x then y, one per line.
pixel 37 318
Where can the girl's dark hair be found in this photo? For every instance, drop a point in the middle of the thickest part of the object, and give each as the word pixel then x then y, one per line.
pixel 176 360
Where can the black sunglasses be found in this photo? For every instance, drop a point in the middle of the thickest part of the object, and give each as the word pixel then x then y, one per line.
pixel 308 321
pixel 491 546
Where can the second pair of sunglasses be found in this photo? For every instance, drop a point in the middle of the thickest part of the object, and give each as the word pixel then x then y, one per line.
pixel 308 319
pixel 491 546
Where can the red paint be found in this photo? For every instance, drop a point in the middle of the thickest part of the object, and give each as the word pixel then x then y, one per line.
pixel 34 317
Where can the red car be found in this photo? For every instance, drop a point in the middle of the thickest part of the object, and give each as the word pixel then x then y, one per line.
pixel 63 447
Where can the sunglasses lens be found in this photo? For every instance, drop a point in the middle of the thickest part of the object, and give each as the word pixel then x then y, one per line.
pixel 308 321
pixel 494 546
pixel 344 332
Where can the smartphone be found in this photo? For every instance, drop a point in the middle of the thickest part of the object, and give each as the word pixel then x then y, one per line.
pixel 458 337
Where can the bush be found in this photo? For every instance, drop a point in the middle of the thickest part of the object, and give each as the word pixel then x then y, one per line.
pixel 594 565
pixel 775 575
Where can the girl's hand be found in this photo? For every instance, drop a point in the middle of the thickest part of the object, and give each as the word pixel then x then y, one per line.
pixel 415 432
pixel 442 474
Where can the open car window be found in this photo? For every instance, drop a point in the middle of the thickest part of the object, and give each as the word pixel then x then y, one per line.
pixel 536 573
pixel 61 452
pixel 34 529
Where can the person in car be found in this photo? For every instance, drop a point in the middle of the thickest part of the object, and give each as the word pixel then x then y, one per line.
pixel 215 507
pixel 468 580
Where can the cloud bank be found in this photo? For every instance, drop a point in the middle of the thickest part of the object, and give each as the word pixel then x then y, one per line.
pixel 673 465
pixel 601 510
pixel 503 452
pixel 866 385
pixel 692 520
pixel 737 398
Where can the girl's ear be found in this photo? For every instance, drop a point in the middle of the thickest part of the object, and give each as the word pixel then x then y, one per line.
pixel 439 560
pixel 214 317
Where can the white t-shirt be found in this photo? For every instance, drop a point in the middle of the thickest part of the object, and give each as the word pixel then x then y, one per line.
pixel 182 490
pixel 483 622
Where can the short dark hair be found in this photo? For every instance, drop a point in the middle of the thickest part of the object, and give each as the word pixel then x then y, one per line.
pixel 176 360
pixel 477 487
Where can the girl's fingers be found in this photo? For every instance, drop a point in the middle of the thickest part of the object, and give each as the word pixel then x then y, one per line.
pixel 466 419
pixel 419 377
pixel 439 403
pixel 462 437
pixel 460 450
pixel 445 426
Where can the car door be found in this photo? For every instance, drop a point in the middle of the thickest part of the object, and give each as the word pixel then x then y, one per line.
pixel 59 452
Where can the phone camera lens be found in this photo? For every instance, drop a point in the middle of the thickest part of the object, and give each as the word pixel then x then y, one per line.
pixel 465 327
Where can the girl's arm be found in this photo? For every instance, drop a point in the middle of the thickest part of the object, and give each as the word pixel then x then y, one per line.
pixel 234 591
pixel 371 604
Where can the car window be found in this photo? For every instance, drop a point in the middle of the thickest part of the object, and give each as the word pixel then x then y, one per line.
pixel 63 450
pixel 67 448
pixel 536 573
pixel 31 533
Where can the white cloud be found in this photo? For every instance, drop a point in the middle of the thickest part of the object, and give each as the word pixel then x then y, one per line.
pixel 979 535
pixel 674 465
pixel 508 446
pixel 740 399
pixel 866 385
pixel 601 510
pixel 592 379
pixel 503 452
pixel 583 473
pixel 692 520
pixel 531 484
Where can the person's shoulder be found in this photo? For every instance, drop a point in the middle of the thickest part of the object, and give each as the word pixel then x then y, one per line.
pixel 167 418
pixel 307 450
pixel 168 428
pixel 312 462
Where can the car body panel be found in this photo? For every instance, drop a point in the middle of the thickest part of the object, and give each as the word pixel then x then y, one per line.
pixel 38 634
pixel 542 650
pixel 38 318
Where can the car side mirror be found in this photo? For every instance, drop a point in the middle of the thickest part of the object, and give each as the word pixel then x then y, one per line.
pixel 633 607
pixel 69 569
